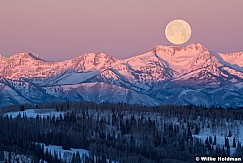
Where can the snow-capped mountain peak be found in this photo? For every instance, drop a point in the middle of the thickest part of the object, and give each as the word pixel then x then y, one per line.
pixel 191 47
pixel 174 61
pixel 25 55
pixel 92 61
pixel 163 74
pixel 197 46
pixel 233 58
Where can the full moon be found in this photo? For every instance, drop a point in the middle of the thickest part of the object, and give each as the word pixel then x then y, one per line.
pixel 178 31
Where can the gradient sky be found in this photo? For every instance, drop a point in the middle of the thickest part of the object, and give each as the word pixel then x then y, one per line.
pixel 61 29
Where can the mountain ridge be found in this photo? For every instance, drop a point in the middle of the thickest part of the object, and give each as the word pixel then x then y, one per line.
pixel 159 76
pixel 156 48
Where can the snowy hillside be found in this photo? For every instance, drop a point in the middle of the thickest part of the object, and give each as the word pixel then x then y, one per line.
pixel 176 129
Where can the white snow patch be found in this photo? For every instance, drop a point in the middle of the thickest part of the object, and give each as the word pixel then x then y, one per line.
pixel 66 155
pixel 32 113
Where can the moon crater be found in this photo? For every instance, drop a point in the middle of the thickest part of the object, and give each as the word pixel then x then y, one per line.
pixel 178 31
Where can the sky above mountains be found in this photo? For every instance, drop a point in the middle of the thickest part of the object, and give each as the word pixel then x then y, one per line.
pixel 60 29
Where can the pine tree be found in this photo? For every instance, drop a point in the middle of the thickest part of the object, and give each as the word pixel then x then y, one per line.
pixel 189 133
pixel 226 142
pixel 230 134
pixel 164 140
pixel 22 108
pixel 228 151
pixel 197 130
pixel 1 155
pixel 206 141
pixel 214 140
pixel 9 156
pixel 73 158
pixel 238 151
pixel 78 159
pixel 210 140
pixel 234 144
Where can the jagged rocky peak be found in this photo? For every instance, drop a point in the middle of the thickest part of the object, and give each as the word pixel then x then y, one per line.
pixel 1 56
pixel 175 57
pixel 33 55
pixel 163 48
pixel 25 55
pixel 234 55
pixel 93 56
pixel 92 61
pixel 197 47
pixel 99 55
pixel 99 58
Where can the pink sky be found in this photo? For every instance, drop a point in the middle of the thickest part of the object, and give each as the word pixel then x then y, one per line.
pixel 61 29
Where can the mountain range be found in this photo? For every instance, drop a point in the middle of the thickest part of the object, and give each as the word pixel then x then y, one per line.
pixel 163 75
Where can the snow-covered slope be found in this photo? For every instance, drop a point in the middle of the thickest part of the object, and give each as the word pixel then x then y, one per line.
pixel 233 58
pixel 100 92
pixel 9 96
pixel 165 74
